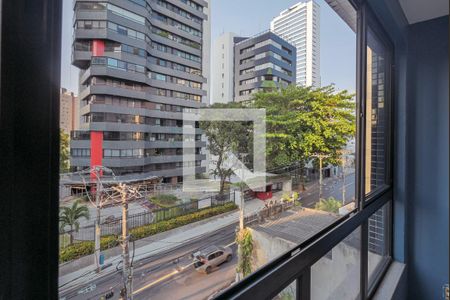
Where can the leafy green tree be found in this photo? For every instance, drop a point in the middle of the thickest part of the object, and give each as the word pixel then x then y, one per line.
pixel 329 205
pixel 302 121
pixel 226 138
pixel 63 151
pixel 70 216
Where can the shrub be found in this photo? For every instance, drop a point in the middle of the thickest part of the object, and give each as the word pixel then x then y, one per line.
pixel 330 205
pixel 165 200
pixel 151 229
pixel 76 250
pixel 80 249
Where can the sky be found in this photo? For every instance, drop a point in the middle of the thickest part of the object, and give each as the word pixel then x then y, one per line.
pixel 247 18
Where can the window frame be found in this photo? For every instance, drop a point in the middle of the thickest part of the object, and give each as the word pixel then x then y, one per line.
pixel 295 265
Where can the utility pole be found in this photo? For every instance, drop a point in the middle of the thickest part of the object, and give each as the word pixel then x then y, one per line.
pixel 344 160
pixel 239 276
pixel 320 157
pixel 95 174
pixel 344 163
pixel 127 271
pixel 127 266
pixel 97 224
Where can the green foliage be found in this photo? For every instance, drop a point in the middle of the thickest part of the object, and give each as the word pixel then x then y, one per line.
pixel 80 249
pixel 302 121
pixel 69 216
pixel 287 295
pixel 165 200
pixel 226 137
pixel 84 248
pixel 63 151
pixel 245 241
pixel 289 197
pixel 151 229
pixel 329 205
pixel 163 34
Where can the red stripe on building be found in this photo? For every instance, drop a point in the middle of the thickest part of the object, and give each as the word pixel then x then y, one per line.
pixel 96 149
pixel 98 47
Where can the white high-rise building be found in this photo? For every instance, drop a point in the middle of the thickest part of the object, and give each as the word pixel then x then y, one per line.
pixel 222 68
pixel 300 24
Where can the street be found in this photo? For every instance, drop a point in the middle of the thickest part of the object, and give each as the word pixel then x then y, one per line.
pixel 170 275
pixel 331 188
pixel 163 277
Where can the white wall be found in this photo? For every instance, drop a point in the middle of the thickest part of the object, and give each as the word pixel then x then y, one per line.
pixel 206 54
pixel 222 69
pixel 334 276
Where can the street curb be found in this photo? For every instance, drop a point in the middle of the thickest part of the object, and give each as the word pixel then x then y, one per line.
pixel 174 230
pixel 110 269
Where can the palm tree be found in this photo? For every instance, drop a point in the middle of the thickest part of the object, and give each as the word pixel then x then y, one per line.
pixel 69 216
pixel 329 205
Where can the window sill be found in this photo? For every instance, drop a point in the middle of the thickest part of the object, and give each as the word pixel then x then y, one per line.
pixel 393 285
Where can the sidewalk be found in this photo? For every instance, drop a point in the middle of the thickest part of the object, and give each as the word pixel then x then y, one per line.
pixel 82 271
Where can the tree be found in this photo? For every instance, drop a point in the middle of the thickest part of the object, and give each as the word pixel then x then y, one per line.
pixel 226 138
pixel 245 241
pixel 302 121
pixel 330 205
pixel 63 151
pixel 69 216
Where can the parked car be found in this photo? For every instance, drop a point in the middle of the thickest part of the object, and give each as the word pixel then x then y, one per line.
pixel 205 260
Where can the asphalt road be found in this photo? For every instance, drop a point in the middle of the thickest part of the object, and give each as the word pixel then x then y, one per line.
pixel 331 188
pixel 171 275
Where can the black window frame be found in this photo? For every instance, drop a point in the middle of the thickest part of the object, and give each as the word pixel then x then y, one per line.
pixel 295 265
pixel 35 247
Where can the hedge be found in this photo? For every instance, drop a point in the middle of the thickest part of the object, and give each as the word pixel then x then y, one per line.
pixel 80 249
pixel 165 200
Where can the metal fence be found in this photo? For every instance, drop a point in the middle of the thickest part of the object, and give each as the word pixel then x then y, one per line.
pixel 267 212
pixel 108 227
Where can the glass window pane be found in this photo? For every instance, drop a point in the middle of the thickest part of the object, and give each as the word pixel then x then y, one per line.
pixel 376 120
pixel 289 292
pixel 337 274
pixel 378 242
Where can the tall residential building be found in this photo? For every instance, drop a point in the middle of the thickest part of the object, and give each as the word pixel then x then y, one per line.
pixel 69 111
pixel 142 63
pixel 301 24
pixel 222 72
pixel 262 62
pixel 244 66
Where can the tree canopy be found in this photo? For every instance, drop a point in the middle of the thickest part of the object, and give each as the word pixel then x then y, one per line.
pixel 69 216
pixel 63 151
pixel 226 138
pixel 302 121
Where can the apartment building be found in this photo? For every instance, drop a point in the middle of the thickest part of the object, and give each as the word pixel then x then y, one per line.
pixel 222 72
pixel 301 24
pixel 69 111
pixel 263 62
pixel 142 63
pixel 246 65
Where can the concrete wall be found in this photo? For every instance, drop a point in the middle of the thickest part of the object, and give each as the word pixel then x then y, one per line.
pixel 421 148
pixel 334 276
pixel 428 243
pixel 223 55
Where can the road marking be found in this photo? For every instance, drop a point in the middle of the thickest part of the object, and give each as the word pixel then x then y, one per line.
pixel 161 279
pixel 231 244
